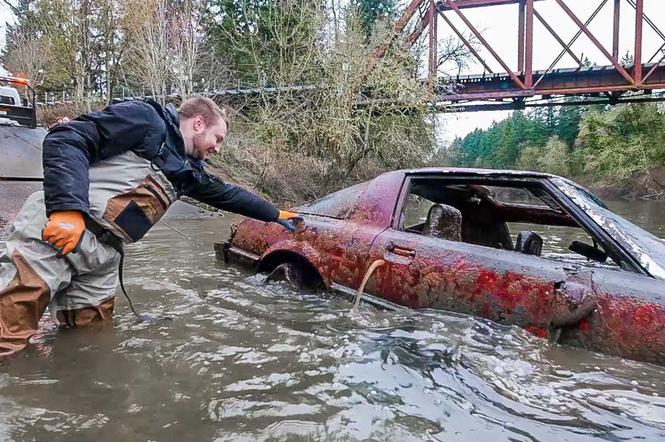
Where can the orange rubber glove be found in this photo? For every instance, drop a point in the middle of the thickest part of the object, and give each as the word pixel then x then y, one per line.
pixel 64 231
pixel 283 214
pixel 289 220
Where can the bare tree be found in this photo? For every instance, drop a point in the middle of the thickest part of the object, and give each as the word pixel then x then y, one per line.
pixel 171 52
pixel 28 58
pixel 117 28
pixel 185 37
pixel 150 51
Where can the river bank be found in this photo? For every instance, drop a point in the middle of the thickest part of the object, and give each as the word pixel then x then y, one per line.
pixel 650 186
pixel 297 184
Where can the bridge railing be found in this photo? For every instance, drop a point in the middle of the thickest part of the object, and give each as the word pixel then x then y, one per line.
pixel 47 99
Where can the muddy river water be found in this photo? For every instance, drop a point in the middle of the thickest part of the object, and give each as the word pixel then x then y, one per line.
pixel 246 361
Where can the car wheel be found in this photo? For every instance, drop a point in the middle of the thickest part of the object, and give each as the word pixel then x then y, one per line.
pixel 289 272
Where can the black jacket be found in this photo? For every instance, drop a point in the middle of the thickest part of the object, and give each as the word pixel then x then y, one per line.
pixel 150 131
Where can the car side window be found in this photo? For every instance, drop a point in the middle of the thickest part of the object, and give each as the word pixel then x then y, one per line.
pixel 517 217
pixel 514 196
pixel 415 212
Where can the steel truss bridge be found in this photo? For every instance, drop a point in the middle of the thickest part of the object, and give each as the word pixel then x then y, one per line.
pixel 524 85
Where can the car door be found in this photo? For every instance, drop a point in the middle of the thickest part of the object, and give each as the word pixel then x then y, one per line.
pixel 504 286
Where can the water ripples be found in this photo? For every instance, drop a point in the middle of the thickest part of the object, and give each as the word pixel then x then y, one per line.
pixel 243 360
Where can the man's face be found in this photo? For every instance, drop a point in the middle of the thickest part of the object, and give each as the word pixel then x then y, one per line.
pixel 207 138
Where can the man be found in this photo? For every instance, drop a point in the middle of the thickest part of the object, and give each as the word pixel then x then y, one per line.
pixel 109 176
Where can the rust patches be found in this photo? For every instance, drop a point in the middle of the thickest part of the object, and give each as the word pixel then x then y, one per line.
pixel 613 323
pixel 451 281
pixel 622 325
pixel 629 326
pixel 344 245
pixel 537 331
pixel 376 204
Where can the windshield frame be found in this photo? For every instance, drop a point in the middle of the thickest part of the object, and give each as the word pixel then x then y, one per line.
pixel 647 249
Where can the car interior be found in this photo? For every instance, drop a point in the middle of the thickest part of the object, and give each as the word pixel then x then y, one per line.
pixel 519 216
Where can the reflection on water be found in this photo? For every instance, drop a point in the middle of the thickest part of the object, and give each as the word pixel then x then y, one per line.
pixel 247 361
pixel 649 215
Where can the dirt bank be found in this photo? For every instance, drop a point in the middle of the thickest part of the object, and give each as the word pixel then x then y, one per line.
pixel 648 186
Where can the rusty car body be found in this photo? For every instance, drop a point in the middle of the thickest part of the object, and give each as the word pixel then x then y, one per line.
pixel 605 292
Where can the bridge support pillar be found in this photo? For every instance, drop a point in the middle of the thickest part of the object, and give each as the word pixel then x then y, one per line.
pixel 615 32
pixel 520 35
pixel 528 56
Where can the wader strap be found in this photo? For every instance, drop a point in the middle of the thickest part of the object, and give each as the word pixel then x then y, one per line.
pixel 105 236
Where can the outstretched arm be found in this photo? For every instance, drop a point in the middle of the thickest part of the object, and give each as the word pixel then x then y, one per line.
pixel 212 190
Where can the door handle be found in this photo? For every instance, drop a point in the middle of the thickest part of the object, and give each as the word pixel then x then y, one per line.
pixel 401 251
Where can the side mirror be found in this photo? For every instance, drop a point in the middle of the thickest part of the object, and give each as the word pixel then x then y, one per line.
pixel 588 251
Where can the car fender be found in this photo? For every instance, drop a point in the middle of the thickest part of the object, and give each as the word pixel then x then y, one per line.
pixel 300 248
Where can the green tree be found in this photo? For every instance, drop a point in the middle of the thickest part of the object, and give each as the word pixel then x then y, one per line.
pixel 372 11
pixel 517 140
pixel 553 158
pixel 23 28
pixel 26 52
pixel 623 142
pixel 567 124
pixel 267 42
pixel 530 158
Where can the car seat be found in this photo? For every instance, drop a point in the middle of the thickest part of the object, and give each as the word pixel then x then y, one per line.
pixel 443 222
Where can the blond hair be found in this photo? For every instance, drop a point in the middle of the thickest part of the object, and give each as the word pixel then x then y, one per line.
pixel 208 109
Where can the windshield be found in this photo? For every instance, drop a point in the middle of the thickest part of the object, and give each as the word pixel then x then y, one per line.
pixel 336 205
pixel 648 249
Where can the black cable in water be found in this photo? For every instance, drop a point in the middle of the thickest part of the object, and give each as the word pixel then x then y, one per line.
pixel 142 318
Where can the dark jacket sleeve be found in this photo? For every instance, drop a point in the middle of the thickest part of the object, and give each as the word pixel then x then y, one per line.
pixel 211 190
pixel 69 149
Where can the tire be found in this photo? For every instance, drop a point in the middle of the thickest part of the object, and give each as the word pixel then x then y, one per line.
pixel 290 272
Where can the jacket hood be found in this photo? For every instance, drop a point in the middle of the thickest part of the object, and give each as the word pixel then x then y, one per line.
pixel 170 116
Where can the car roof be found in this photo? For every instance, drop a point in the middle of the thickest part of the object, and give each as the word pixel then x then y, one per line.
pixel 472 171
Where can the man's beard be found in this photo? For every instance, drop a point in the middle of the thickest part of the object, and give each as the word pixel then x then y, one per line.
pixel 197 141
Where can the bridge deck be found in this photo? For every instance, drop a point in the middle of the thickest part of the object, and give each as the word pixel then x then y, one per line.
pixel 583 81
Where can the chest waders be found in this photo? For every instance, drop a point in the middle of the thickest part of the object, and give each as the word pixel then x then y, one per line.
pixel 105 236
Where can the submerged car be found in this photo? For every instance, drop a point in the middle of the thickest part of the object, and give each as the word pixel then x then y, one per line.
pixel 522 248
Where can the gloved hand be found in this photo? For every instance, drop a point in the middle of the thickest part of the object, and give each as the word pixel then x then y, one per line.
pixel 64 231
pixel 288 220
